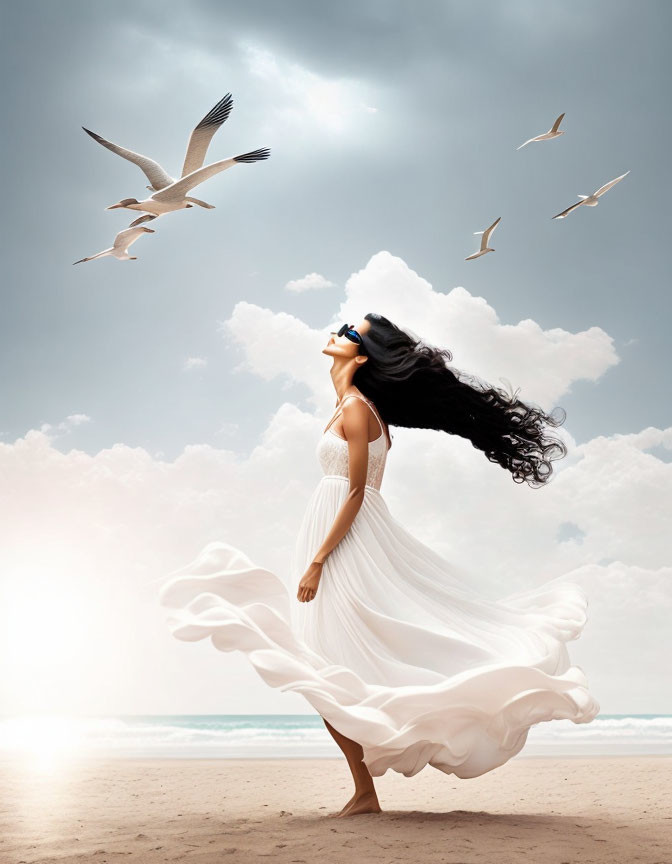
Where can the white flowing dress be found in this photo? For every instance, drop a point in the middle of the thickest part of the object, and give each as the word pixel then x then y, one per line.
pixel 395 651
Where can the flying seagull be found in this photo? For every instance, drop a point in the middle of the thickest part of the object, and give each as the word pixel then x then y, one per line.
pixel 174 197
pixel 197 147
pixel 552 133
pixel 121 243
pixel 484 241
pixel 590 200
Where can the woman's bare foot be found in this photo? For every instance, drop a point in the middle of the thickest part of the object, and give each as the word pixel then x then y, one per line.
pixel 365 803
pixel 365 799
pixel 345 807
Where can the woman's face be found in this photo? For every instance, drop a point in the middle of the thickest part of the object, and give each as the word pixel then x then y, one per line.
pixel 341 346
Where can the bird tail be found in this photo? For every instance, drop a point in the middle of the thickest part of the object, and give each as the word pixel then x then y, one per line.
pixel 254 155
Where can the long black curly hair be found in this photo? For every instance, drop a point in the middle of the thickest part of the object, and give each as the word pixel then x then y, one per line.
pixel 411 385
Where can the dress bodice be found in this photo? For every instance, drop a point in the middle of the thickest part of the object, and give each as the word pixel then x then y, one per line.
pixel 332 452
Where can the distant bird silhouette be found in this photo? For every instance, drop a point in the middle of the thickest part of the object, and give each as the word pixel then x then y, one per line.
pixel 590 200
pixel 552 133
pixel 484 241
pixel 121 243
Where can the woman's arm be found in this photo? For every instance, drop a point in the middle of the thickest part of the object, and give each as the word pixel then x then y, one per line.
pixel 356 429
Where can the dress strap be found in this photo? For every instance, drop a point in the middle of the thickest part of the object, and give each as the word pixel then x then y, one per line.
pixel 375 413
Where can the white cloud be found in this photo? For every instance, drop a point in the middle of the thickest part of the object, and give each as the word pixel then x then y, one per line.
pixel 276 345
pixel 309 282
pixel 85 535
pixel 194 363
pixel 227 429
pixel 77 419
pixel 65 426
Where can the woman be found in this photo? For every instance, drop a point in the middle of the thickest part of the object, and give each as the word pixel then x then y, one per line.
pixel 407 665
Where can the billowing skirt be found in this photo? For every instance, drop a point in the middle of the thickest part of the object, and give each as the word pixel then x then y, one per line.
pixel 396 650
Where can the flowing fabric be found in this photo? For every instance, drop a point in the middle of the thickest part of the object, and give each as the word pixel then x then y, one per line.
pixel 395 651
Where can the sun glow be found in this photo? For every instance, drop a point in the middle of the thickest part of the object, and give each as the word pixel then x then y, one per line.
pixel 44 627
pixel 43 742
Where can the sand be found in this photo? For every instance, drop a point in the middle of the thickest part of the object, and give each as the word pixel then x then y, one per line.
pixel 611 809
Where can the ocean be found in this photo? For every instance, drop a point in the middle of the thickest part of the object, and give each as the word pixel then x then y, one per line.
pixel 293 736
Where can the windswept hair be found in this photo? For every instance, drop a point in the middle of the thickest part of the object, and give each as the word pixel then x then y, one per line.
pixel 411 385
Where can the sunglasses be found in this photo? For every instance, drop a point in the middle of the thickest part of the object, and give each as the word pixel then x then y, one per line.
pixel 350 333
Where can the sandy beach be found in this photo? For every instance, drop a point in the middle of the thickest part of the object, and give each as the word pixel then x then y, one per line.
pixel 611 809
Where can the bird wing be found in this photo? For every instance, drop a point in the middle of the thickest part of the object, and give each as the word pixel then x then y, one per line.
pixel 146 218
pixel 97 255
pixel 568 210
pixel 527 142
pixel 608 186
pixel 200 138
pixel 129 235
pixel 554 127
pixel 179 188
pixel 488 232
pixel 152 170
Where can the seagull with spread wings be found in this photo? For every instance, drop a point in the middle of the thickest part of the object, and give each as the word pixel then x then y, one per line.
pixel 553 132
pixel 590 200
pixel 174 197
pixel 484 241
pixel 122 241
pixel 197 147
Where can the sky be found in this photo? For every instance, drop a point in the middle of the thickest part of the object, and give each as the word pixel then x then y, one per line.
pixel 150 406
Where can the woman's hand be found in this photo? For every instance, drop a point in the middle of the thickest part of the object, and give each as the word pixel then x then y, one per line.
pixel 310 582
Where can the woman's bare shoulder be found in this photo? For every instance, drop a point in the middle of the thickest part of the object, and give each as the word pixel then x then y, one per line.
pixel 355 407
